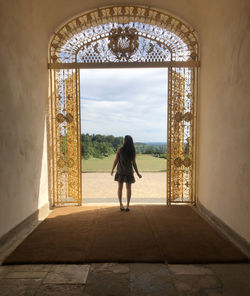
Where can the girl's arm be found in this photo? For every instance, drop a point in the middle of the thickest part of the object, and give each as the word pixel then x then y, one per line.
pixel 115 161
pixel 136 170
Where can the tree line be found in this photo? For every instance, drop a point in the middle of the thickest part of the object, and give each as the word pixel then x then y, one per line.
pixel 100 146
pixel 157 150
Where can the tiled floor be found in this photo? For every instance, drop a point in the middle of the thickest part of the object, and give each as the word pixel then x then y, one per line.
pixel 108 279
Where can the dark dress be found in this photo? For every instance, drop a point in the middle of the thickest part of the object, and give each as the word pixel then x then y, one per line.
pixel 124 171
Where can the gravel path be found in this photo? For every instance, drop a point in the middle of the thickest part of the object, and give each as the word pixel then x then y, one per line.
pixel 102 185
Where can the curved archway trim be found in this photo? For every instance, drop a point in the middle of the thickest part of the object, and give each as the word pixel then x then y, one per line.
pixel 122 37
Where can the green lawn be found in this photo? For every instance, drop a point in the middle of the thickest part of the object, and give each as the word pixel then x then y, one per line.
pixel 145 163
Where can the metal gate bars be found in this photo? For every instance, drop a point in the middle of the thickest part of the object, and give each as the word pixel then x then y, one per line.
pixel 121 37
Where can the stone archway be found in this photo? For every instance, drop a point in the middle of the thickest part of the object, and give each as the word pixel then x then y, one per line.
pixel 123 36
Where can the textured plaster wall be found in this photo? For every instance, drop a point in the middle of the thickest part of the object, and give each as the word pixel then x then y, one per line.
pixel 223 162
pixel 23 93
pixel 224 111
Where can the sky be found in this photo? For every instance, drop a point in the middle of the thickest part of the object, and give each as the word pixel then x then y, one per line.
pixel 123 102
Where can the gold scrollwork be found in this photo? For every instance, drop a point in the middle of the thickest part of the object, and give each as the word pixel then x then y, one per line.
pixel 188 116
pixel 65 162
pixel 178 162
pixel 187 162
pixel 178 116
pixel 54 58
pixel 123 42
pixel 69 117
pixel 61 118
pixel 70 163
pixel 61 162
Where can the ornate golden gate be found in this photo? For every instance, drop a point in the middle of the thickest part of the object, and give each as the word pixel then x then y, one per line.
pixel 120 37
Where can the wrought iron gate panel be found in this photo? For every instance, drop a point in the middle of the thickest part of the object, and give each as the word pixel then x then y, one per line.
pixel 122 36
pixel 65 127
pixel 101 36
pixel 180 158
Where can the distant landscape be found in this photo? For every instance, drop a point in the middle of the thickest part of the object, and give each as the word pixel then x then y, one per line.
pixel 98 153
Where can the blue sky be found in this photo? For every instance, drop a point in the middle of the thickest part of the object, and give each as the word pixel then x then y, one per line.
pixel 125 101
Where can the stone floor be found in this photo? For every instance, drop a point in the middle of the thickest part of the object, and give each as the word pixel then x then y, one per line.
pixel 109 279
pixel 113 279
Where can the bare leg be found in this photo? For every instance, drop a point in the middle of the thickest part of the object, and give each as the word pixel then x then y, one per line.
pixel 128 187
pixel 120 186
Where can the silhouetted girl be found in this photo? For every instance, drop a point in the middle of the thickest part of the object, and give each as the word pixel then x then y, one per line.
pixel 125 157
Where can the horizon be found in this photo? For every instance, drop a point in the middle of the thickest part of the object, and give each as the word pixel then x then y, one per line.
pixel 125 101
pixel 136 142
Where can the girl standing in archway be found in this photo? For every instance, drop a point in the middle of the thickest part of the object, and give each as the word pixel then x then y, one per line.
pixel 125 158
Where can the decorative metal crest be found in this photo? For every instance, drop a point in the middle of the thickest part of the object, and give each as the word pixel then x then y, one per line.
pixel 123 42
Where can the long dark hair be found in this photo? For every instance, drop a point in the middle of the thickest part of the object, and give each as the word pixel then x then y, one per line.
pixel 128 147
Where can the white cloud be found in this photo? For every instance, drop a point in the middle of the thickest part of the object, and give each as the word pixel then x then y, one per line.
pixel 125 101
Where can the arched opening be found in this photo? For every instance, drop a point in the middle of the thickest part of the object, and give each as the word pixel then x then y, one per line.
pixel 119 37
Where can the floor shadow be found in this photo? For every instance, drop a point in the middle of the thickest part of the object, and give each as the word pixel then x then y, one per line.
pixel 147 233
